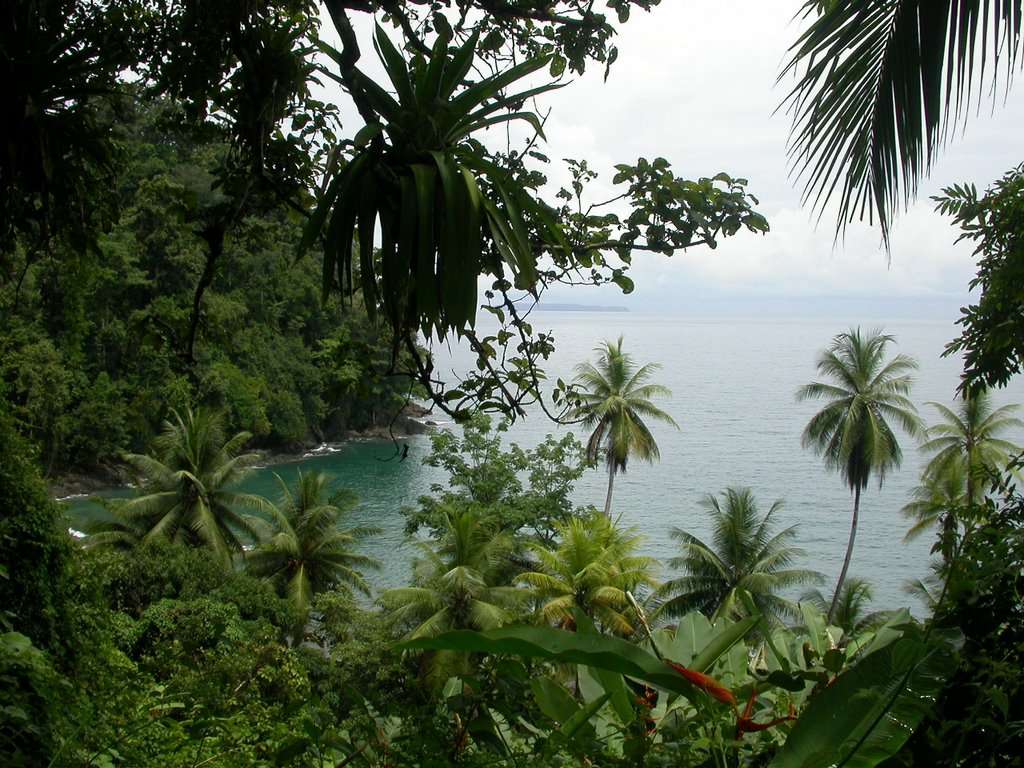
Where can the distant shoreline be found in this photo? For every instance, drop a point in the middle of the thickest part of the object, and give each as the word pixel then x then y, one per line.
pixel 579 308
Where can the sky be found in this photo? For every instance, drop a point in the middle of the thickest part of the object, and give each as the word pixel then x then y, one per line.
pixel 695 83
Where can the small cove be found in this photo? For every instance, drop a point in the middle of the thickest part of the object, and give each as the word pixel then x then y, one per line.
pixel 733 383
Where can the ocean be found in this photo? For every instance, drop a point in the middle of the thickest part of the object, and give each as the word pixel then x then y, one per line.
pixel 733 383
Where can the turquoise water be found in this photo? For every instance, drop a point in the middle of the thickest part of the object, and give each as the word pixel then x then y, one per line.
pixel 732 383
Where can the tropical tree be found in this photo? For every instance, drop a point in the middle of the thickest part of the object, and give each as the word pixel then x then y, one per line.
pixel 970 437
pixel 614 398
pixel 184 492
pixel 864 392
pixel 852 615
pixel 880 86
pixel 745 555
pixel 592 569
pixel 937 499
pixel 460 581
pixel 305 549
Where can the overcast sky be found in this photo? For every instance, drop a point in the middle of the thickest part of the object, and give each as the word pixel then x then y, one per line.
pixel 695 83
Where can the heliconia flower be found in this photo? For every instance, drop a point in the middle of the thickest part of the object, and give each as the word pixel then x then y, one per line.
pixel 707 684
pixel 747 725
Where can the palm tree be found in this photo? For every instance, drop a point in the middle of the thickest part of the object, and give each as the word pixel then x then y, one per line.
pixel 966 449
pixel 745 555
pixel 852 432
pixel 183 492
pixel 593 568
pixel 461 582
pixel 852 616
pixel 880 85
pixel 969 437
pixel 306 550
pixel 614 399
pixel 937 499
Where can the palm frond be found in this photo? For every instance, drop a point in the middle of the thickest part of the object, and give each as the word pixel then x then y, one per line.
pixel 879 87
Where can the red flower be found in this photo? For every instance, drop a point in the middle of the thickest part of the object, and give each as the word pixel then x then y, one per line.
pixel 707 684
pixel 746 725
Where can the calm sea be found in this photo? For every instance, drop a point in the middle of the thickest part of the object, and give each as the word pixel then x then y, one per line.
pixel 732 385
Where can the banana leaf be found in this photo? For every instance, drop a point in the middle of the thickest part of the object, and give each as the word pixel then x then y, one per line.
pixel 870 711
pixel 593 650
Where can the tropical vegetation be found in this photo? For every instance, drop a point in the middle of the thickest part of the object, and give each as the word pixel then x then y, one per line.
pixel 614 397
pixel 163 165
pixel 864 391
pixel 968 455
pixel 593 570
pixel 186 492
pixel 879 89
pixel 970 437
pixel 461 581
pixel 746 556
pixel 306 551
pixel 853 614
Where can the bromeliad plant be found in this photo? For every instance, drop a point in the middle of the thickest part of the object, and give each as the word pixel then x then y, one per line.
pixel 445 213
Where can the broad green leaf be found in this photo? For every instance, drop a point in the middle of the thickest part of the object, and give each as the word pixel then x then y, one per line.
pixel 367 133
pixel 554 700
pixel 692 633
pixel 316 222
pixel 367 227
pixel 340 229
pixel 601 651
pixel 815 623
pixel 428 87
pixel 871 710
pixel 582 718
pixel 595 682
pixel 382 102
pixel 457 69
pixel 477 94
pixel 722 640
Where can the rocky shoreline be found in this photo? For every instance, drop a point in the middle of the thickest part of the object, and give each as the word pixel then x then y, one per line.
pixel 412 421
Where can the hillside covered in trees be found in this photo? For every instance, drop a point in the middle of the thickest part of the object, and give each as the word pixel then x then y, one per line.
pixel 195 252
pixel 99 345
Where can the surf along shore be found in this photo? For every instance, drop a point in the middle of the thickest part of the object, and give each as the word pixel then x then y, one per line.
pixel 412 420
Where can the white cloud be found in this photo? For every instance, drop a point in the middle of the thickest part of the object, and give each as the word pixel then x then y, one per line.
pixel 696 83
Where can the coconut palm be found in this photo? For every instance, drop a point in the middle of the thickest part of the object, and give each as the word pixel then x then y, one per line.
pixel 306 550
pixel 614 399
pixel 745 555
pixel 184 492
pixel 880 85
pixel 852 616
pixel 937 499
pixel 460 582
pixel 970 437
pixel 864 392
pixel 592 569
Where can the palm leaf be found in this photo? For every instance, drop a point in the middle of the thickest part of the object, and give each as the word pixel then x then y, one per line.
pixel 880 85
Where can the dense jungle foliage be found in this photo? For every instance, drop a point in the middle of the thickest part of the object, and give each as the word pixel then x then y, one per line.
pixel 189 266
pixel 94 345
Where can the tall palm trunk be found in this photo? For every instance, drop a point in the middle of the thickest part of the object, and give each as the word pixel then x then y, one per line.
pixel 608 498
pixel 849 554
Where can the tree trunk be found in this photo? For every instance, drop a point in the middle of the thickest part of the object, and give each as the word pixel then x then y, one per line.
pixel 608 498
pixel 849 555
